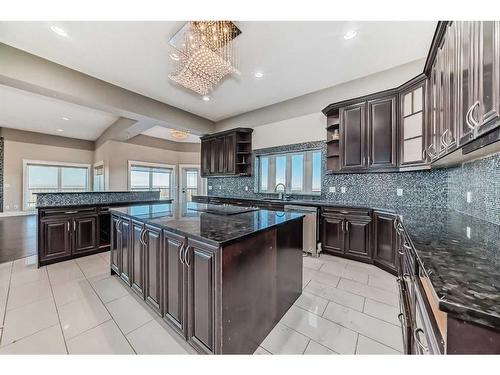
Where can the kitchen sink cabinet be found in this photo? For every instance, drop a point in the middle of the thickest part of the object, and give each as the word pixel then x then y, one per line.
pixel 346 233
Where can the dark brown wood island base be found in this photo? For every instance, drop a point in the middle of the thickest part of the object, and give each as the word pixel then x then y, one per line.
pixel 222 280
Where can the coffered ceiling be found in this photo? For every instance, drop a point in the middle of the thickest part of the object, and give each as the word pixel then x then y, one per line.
pixel 295 58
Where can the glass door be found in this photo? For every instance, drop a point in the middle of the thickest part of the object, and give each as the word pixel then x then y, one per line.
pixel 190 183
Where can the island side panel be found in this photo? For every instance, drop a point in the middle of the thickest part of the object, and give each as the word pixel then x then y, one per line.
pixel 249 292
pixel 289 264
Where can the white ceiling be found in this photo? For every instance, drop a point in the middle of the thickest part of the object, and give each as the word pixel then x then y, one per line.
pixel 27 111
pixel 165 133
pixel 296 57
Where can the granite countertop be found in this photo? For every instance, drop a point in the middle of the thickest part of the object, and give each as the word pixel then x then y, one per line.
pixel 93 192
pixel 107 204
pixel 186 219
pixel 459 253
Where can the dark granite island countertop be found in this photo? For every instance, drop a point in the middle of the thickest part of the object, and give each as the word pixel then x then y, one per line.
pixel 94 198
pixel 187 219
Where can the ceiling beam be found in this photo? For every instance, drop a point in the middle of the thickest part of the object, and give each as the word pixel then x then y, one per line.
pixel 31 73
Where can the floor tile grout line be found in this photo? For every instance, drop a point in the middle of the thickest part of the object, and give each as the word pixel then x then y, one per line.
pixel 28 336
pixel 109 312
pixel 356 347
pixel 331 321
pixel 6 302
pixel 378 342
pixel 307 345
pixel 57 311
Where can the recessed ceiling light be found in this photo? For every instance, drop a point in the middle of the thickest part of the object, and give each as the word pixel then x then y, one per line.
pixel 60 130
pixel 65 118
pixel 174 56
pixel 205 98
pixel 258 75
pixel 59 31
pixel 350 34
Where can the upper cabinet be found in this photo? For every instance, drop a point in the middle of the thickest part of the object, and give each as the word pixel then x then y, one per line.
pixel 412 121
pixel 455 100
pixel 228 153
pixel 367 130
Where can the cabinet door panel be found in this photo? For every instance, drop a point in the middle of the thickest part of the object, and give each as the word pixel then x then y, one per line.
pixel 115 245
pixel 221 156
pixel 137 258
pixel 357 239
pixel 352 125
pixel 85 232
pixel 489 71
pixel 201 283
pixel 385 243
pixel 205 157
pixel 174 281
pixel 229 151
pixel 412 127
pixel 153 268
pixel 125 250
pixel 332 234
pixel 382 132
pixel 55 238
pixel 466 74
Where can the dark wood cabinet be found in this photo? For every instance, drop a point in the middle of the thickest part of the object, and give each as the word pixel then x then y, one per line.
pixel 352 130
pixel 200 266
pixel 137 256
pixel 124 249
pixel 227 153
pixel 382 133
pixel 346 233
pixel 357 238
pixel 174 281
pixel 153 274
pixel 385 243
pixel 368 134
pixel 115 243
pixel 55 238
pixel 332 234
pixel 85 233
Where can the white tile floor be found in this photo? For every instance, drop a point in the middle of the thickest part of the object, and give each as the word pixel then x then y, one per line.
pixel 76 307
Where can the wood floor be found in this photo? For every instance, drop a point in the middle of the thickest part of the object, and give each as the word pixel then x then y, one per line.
pixel 17 237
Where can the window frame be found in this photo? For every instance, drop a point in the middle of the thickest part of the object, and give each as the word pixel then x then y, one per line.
pixel 307 173
pixel 57 164
pixel 173 175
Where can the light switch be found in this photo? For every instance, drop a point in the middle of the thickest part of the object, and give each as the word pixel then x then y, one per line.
pixel 469 197
pixel 343 189
pixel 331 189
pixel 220 187
pixel 246 188
pixel 468 232
pixel 209 187
pixel 399 192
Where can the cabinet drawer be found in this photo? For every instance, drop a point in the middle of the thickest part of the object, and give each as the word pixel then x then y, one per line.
pixel 346 211
pixel 50 212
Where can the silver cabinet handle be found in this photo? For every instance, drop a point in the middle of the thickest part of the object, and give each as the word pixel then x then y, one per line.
pixel 424 153
pixel 342 225
pixel 467 119
pixel 180 253
pixel 369 160
pixel 395 223
pixel 74 225
pixel 429 152
pixel 68 227
pixel 117 226
pixel 186 259
pixel 70 212
pixel 143 235
pixel 471 115
pixel 416 335
pixel 347 226
pixel 443 142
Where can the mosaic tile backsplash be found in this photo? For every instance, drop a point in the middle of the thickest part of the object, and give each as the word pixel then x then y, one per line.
pixel 437 188
pixel 108 197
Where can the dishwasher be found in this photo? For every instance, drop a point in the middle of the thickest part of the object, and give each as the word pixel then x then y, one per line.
pixel 310 229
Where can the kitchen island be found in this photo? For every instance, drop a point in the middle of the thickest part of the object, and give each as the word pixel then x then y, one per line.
pixel 221 276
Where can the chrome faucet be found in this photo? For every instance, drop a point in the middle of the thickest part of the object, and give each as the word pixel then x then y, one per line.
pixel 281 195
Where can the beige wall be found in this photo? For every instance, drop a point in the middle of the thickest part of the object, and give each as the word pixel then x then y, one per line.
pixel 14 154
pixel 116 155
pixel 301 120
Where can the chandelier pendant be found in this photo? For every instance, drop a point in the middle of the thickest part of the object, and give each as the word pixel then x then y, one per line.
pixel 205 53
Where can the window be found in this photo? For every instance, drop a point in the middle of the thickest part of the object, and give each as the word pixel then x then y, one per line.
pixel 300 172
pixel 191 184
pixel 150 176
pixel 99 177
pixel 46 177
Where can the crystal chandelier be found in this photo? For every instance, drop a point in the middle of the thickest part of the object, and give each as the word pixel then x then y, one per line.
pixel 205 53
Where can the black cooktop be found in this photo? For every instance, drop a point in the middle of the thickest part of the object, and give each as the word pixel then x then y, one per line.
pixel 222 209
